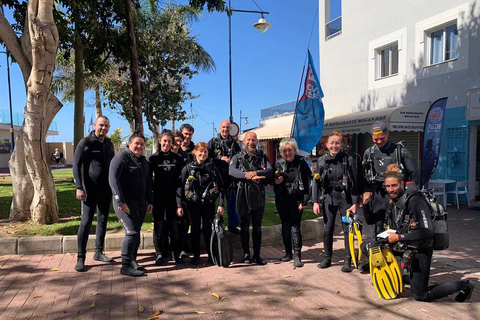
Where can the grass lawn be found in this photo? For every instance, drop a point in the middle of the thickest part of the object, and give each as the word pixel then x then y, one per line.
pixel 69 209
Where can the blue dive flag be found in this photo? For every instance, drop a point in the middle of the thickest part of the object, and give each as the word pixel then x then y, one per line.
pixel 309 113
pixel 432 135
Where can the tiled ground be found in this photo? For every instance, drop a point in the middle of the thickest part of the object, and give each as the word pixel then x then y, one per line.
pixel 29 289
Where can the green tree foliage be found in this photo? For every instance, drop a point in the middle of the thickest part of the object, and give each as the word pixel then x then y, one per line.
pixel 116 138
pixel 169 56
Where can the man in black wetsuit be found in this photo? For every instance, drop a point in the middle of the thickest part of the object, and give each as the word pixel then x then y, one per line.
pixel 131 182
pixel 187 146
pixel 375 162
pixel 221 149
pixel 411 218
pixel 251 167
pixel 93 153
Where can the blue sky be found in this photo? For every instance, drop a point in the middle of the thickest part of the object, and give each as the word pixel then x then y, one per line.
pixel 266 67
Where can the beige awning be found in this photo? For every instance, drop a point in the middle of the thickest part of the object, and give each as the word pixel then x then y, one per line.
pixel 407 118
pixel 279 127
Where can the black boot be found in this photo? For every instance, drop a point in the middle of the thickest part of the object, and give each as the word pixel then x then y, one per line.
pixel 80 266
pixel 99 256
pixel 466 293
pixel 288 255
pixel 327 262
pixel 297 262
pixel 129 270
pixel 347 265
pixel 297 246
pixel 136 266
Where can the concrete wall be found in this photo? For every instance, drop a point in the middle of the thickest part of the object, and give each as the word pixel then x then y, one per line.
pixel 346 60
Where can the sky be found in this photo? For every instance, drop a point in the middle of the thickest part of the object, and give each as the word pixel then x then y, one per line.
pixel 266 68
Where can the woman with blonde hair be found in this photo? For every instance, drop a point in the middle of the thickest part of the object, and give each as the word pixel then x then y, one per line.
pixel 292 181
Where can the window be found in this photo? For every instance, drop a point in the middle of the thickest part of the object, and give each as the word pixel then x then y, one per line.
pixel 444 44
pixel 333 14
pixel 387 61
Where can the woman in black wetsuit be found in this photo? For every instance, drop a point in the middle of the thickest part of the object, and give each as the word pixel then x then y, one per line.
pixel 335 190
pixel 166 167
pixel 131 183
pixel 200 186
pixel 292 182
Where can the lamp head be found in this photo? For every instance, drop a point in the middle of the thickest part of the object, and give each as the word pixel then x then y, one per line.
pixel 262 25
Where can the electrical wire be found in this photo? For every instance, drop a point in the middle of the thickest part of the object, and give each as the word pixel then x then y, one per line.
pixel 257 5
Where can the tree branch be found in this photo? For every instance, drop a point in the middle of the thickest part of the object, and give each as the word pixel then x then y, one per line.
pixel 13 45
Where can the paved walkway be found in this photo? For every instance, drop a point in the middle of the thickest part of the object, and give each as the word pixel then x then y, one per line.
pixel 30 288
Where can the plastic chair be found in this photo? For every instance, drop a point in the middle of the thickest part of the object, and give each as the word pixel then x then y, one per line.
pixel 439 191
pixel 460 188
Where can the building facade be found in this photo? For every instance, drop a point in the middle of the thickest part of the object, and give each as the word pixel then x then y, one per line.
pixel 381 54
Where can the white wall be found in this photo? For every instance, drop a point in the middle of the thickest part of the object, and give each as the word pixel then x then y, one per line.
pixel 346 60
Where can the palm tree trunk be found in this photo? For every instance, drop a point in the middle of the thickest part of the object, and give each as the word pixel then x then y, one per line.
pixel 134 71
pixel 98 102
pixel 78 118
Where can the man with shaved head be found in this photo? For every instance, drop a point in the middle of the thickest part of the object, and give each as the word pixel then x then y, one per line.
pixel 91 165
pixel 221 149
pixel 251 168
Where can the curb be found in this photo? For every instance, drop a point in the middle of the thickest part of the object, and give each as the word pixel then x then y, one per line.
pixel 271 236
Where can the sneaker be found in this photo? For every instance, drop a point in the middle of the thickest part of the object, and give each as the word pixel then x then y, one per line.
pixel 466 293
pixel 246 258
pixel 131 271
pixel 99 256
pixel 258 260
pixel 183 255
pixel 287 257
pixel 159 260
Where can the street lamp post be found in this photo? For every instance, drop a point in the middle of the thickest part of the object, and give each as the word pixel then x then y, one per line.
pixel 262 26
pixel 12 135
pixel 213 129
pixel 246 121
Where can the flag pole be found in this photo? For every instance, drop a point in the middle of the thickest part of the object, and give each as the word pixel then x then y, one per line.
pixel 298 96
pixel 301 79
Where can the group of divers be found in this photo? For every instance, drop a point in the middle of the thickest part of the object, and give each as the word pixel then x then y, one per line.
pixel 183 182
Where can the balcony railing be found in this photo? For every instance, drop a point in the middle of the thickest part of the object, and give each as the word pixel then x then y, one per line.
pixel 18 119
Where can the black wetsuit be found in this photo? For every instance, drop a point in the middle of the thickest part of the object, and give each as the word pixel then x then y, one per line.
pixel 380 159
pixel 94 156
pixel 131 182
pixel 166 168
pixel 204 185
pixel 414 226
pixel 217 148
pixel 250 195
pixel 288 195
pixel 337 197
pixel 188 152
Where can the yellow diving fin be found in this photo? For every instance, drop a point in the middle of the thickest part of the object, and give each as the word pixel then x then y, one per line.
pixel 382 271
pixel 355 229
pixel 394 268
